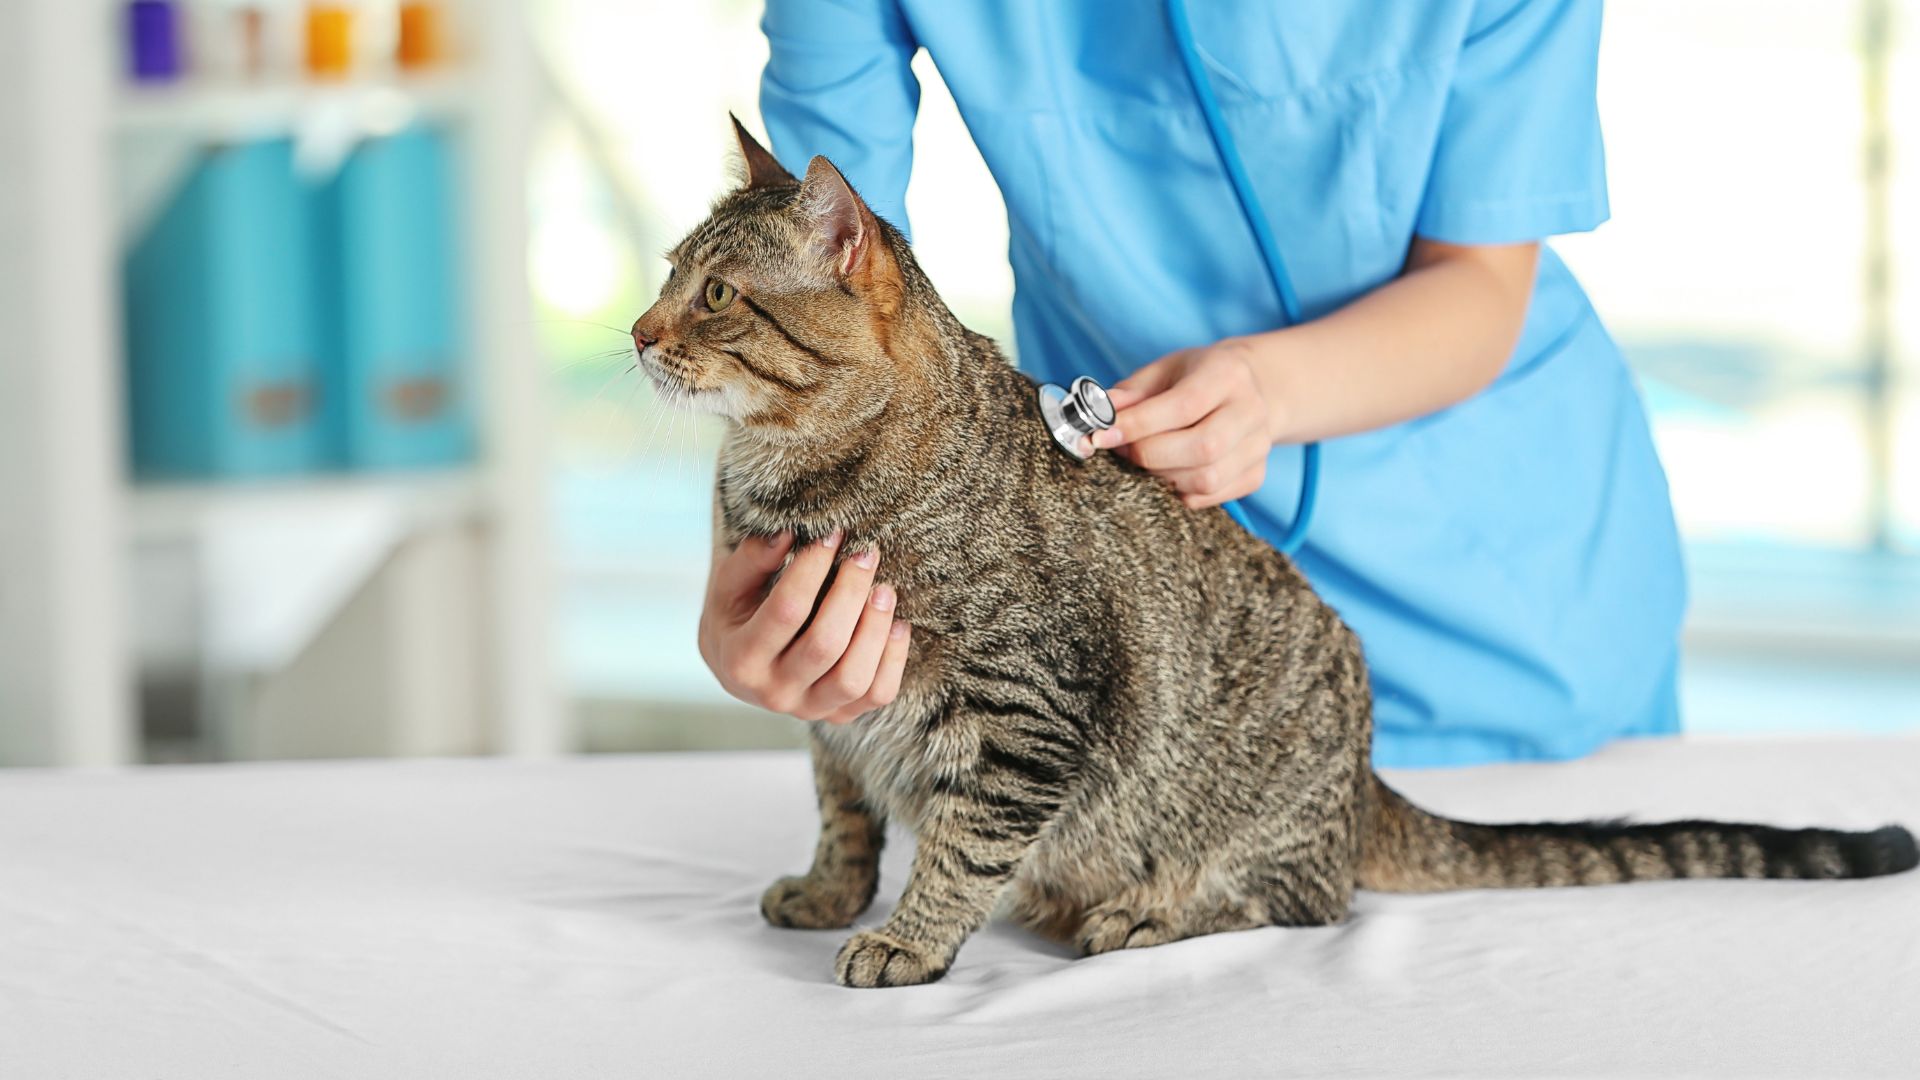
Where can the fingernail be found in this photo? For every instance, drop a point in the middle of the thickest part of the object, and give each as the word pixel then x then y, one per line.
pixel 898 630
pixel 780 539
pixel 1107 438
pixel 865 560
pixel 831 540
pixel 883 598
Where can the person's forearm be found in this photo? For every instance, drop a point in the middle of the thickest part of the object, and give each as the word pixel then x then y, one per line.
pixel 1436 335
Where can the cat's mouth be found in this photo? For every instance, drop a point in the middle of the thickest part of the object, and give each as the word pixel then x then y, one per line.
pixel 670 384
pixel 674 388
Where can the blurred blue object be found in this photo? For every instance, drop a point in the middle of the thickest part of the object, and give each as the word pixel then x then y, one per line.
pixel 220 333
pixel 1262 229
pixel 397 389
pixel 153 40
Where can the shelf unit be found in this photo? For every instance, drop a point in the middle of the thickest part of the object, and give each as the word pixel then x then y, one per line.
pixel 258 110
pixel 71 519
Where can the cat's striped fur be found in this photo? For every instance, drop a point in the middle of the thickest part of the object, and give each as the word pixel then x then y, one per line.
pixel 1125 721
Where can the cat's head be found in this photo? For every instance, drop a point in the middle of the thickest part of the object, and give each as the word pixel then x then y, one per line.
pixel 783 307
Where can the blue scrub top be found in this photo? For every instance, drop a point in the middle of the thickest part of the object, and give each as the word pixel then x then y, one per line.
pixel 1510 563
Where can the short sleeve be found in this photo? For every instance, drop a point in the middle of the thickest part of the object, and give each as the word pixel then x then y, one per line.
pixel 839 81
pixel 1519 153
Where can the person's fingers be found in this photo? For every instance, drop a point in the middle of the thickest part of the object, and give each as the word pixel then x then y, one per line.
pixel 849 680
pixel 1212 485
pixel 1240 487
pixel 741 575
pixel 1179 406
pixel 1248 483
pixel 787 607
pixel 893 665
pixel 1216 437
pixel 1187 448
pixel 825 640
pixel 1145 382
pixel 886 681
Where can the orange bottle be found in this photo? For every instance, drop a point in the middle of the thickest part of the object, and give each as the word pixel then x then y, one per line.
pixel 423 42
pixel 329 40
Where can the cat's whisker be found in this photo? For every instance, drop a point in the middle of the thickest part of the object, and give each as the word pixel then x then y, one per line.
pixel 607 419
pixel 593 402
pixel 700 457
pixel 663 434
pixel 674 441
pixel 663 424
pixel 660 407
pixel 582 322
pixel 596 358
pixel 692 445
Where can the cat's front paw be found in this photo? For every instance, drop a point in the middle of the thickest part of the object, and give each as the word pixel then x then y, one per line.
pixel 809 903
pixel 871 958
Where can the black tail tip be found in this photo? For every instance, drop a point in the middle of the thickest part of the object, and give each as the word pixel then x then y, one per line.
pixel 1887 850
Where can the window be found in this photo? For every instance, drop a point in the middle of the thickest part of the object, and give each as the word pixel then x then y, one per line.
pixel 1762 183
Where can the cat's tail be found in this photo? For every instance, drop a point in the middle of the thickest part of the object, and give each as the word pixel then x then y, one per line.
pixel 1405 849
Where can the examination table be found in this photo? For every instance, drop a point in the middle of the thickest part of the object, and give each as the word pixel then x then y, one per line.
pixel 596 917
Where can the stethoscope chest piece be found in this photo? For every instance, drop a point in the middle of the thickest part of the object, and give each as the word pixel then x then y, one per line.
pixel 1074 414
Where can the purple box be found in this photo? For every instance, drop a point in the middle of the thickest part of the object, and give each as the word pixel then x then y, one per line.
pixel 153 37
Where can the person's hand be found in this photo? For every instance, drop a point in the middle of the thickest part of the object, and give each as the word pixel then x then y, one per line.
pixel 763 648
pixel 1199 418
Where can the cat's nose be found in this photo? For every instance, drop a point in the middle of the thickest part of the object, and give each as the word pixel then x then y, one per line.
pixel 641 338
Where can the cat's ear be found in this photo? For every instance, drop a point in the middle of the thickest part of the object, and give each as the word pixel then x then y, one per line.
pixel 843 227
pixel 763 169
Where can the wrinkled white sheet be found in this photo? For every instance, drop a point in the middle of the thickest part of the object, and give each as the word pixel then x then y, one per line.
pixel 596 918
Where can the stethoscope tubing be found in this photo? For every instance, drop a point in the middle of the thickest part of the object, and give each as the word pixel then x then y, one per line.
pixel 1223 144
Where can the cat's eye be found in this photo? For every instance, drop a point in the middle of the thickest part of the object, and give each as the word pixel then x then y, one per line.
pixel 719 294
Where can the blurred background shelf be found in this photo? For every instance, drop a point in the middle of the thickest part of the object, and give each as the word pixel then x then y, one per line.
pixel 422 500
pixel 237 111
pixel 320 615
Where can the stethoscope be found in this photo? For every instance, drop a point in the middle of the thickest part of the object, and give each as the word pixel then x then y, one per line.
pixel 1074 414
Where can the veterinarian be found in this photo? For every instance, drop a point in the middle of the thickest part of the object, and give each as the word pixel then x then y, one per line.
pixel 1493 519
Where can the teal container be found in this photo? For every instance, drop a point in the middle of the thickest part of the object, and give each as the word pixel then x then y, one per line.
pixel 398 392
pixel 222 354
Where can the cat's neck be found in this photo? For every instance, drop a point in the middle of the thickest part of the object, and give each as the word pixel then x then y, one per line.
pixel 951 399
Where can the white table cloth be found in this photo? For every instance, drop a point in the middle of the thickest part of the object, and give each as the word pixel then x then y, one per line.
pixel 596 918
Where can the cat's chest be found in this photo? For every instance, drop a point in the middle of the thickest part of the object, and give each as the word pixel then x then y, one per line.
pixel 898 752
pixel 918 576
pixel 761 496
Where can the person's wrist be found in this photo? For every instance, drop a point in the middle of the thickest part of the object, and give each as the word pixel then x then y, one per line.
pixel 1266 357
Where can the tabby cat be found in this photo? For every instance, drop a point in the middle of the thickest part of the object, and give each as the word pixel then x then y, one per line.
pixel 1123 721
